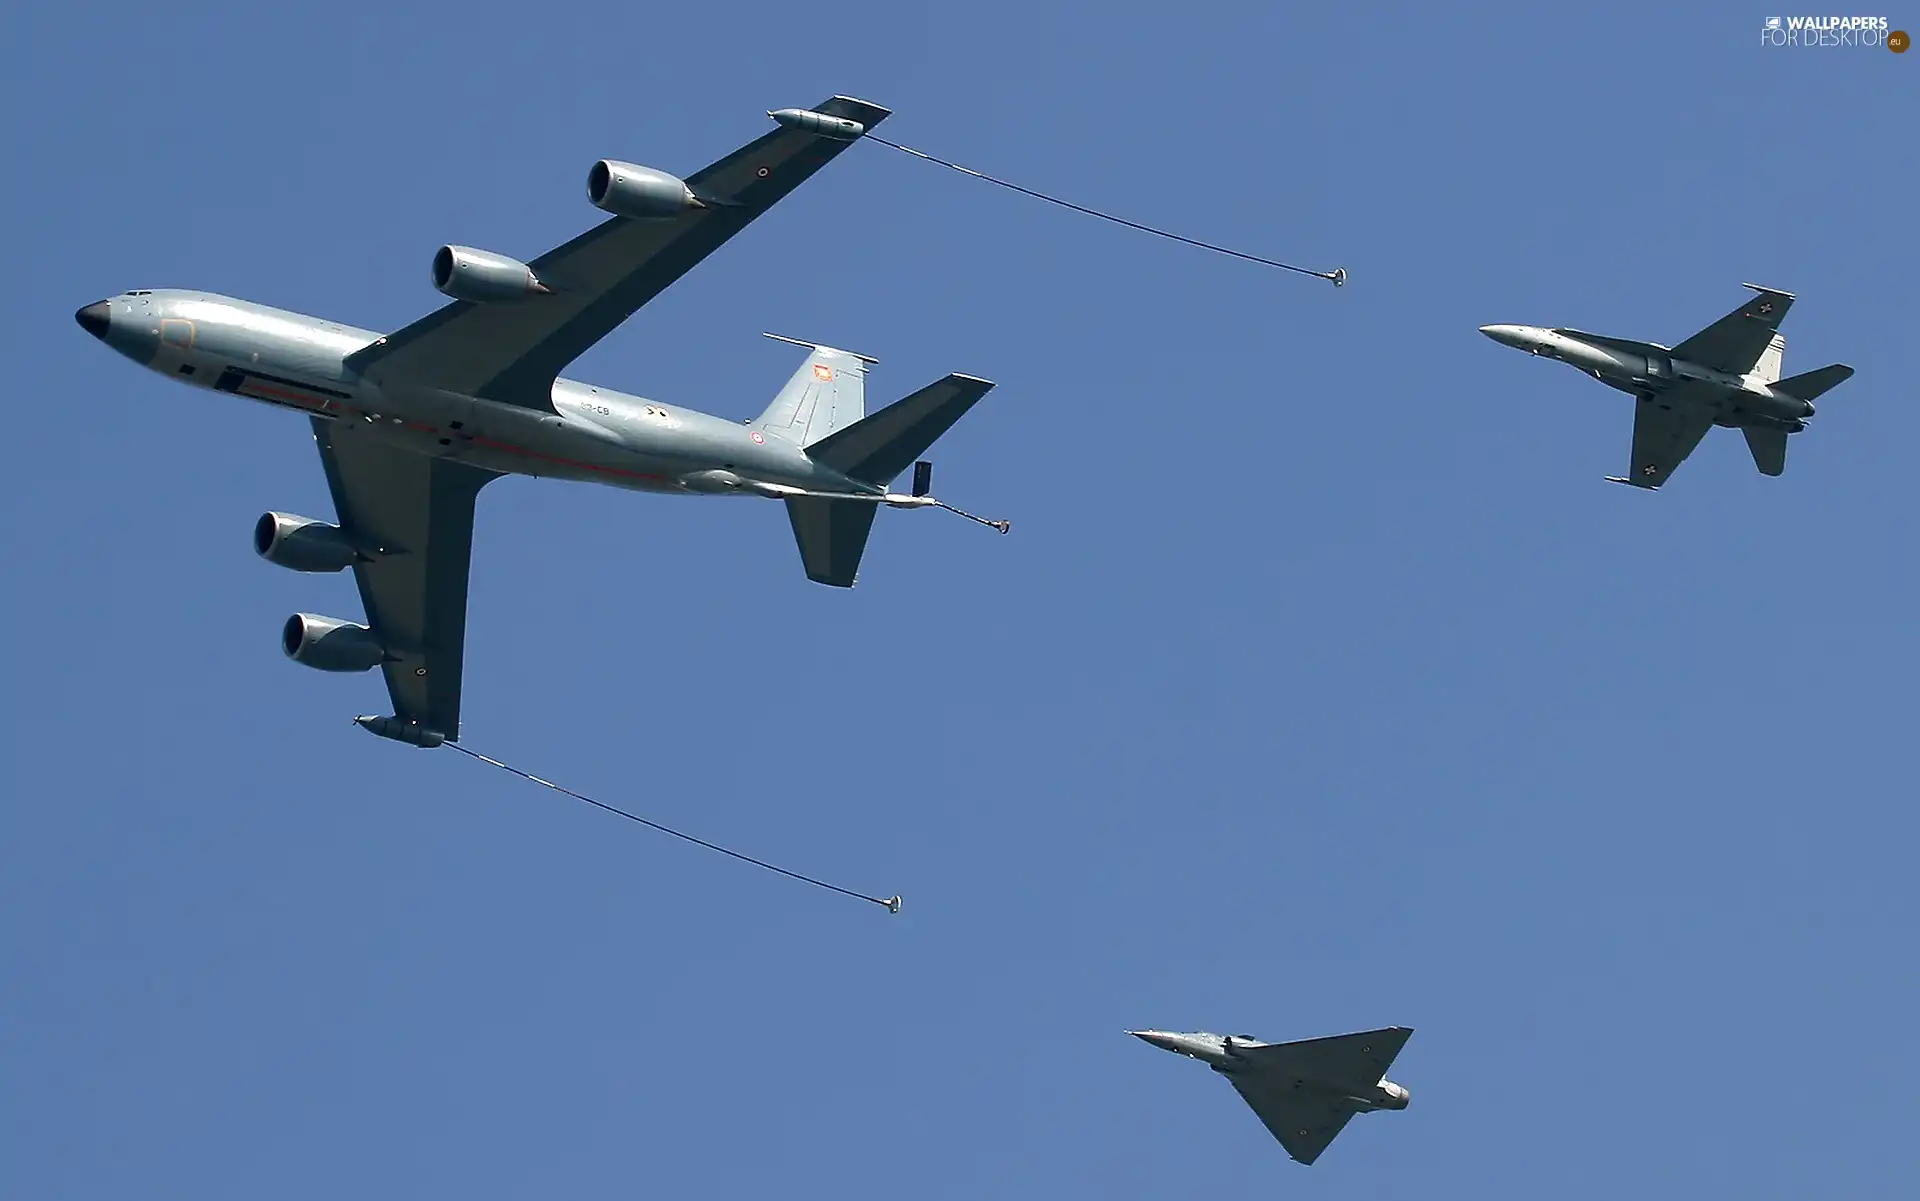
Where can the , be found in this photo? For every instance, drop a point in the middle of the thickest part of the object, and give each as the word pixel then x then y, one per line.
pixel 411 425
pixel 1307 1091
pixel 1728 374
